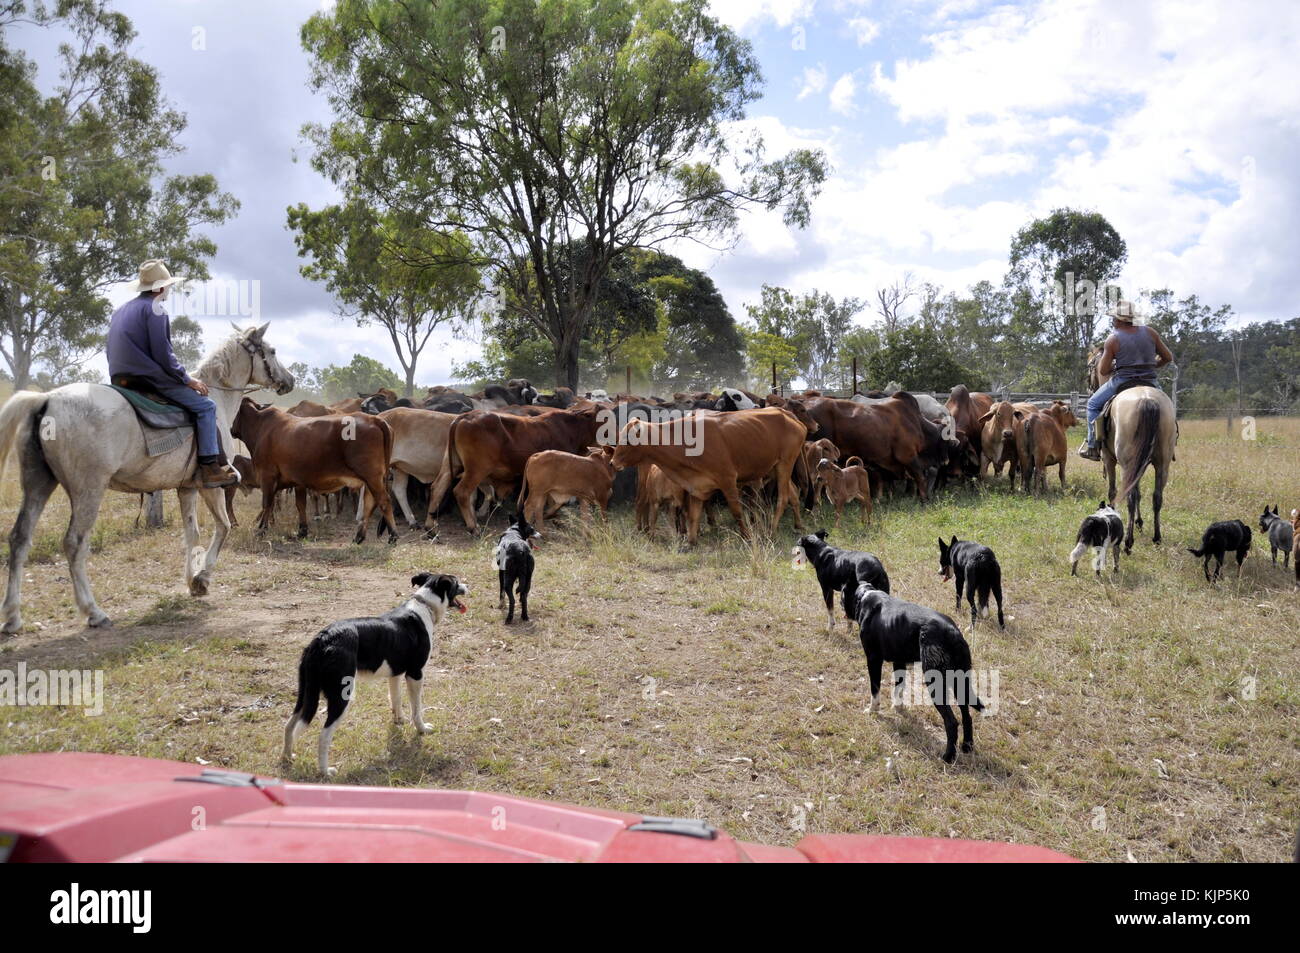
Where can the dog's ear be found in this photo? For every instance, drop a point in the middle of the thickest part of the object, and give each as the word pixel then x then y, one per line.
pixel 943 547
pixel 953 543
pixel 821 534
pixel 420 579
pixel 1101 505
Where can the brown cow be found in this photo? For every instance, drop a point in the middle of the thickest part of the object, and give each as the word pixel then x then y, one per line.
pixel 887 435
pixel 1000 440
pixel 309 408
pixel 846 483
pixel 553 478
pixel 485 446
pixel 805 474
pixel 320 454
pixel 1044 444
pixel 419 450
pixel 653 490
pixel 732 449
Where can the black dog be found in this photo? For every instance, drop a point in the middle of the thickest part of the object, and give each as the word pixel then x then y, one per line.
pixel 513 559
pixel 1223 537
pixel 977 569
pixel 904 632
pixel 1281 537
pixel 391 646
pixel 1103 531
pixel 839 569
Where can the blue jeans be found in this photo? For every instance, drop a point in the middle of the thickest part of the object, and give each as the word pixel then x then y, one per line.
pixel 205 416
pixel 1095 403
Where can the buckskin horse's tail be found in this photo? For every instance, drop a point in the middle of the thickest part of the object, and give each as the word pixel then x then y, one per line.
pixel 1145 436
pixel 16 418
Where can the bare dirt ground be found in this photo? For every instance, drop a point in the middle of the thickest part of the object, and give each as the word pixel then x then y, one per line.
pixel 1148 717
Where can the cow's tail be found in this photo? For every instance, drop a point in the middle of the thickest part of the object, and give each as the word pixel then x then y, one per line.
pixel 451 468
pixel 1144 437
pixel 16 419
pixel 522 498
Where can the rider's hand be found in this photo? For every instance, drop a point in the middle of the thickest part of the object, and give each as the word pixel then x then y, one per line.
pixel 198 387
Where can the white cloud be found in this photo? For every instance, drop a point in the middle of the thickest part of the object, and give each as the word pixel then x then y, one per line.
pixel 742 14
pixel 813 81
pixel 842 94
pixel 864 30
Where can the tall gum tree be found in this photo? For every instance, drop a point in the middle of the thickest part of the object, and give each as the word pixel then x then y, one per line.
pixel 531 124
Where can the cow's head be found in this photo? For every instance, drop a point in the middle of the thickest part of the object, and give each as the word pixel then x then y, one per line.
pixel 800 413
pixel 603 455
pixel 1004 417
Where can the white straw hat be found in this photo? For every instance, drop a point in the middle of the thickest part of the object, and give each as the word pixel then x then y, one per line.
pixel 154 276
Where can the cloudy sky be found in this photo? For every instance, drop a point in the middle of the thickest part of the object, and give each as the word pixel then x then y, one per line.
pixel 949 126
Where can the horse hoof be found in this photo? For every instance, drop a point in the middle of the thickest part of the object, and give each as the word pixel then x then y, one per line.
pixel 99 621
pixel 12 625
pixel 198 587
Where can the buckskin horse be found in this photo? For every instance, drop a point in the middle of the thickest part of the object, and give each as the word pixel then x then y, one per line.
pixel 1140 431
pixel 87 439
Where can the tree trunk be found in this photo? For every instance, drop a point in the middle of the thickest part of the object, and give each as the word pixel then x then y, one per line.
pixel 566 363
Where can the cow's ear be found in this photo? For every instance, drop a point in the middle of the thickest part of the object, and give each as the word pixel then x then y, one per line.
pixel 987 417
pixel 1018 415
pixel 420 579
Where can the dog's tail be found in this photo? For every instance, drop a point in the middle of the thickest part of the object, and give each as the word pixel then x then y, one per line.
pixel 308 691
pixel 1198 553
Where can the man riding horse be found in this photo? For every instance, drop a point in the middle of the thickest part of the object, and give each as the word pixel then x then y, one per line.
pixel 1131 353
pixel 140 356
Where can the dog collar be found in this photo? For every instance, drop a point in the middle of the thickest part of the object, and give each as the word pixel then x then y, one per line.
pixel 431 606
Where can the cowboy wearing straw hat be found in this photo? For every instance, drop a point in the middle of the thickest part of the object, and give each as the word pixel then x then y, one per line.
pixel 1133 352
pixel 140 354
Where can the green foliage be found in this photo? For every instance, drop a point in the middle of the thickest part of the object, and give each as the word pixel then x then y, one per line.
pixel 364 375
pixel 1059 280
pixel 388 270
pixel 83 198
pixel 812 325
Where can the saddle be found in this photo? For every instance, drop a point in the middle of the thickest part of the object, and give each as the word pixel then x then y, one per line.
pixel 165 425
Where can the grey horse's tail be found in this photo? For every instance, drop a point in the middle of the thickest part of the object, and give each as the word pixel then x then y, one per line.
pixel 1144 437
pixel 16 417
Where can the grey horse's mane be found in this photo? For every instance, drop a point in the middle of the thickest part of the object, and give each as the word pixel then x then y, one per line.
pixel 217 365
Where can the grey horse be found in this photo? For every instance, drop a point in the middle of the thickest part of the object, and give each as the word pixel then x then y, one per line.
pixel 86 438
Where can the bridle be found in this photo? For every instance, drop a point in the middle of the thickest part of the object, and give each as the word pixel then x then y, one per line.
pixel 254 351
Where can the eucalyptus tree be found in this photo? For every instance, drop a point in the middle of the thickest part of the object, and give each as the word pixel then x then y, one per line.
pixel 533 124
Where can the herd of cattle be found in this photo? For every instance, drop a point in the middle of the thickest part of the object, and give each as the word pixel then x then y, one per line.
pixel 680 455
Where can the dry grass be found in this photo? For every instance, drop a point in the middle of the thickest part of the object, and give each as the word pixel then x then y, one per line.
pixel 703 683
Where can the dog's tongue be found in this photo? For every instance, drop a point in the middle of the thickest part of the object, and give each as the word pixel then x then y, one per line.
pixel 460 606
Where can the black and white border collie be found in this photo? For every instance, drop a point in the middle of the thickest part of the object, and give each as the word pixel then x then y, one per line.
pixel 393 645
pixel 977 568
pixel 839 570
pixel 1220 538
pixel 904 633
pixel 513 559
pixel 1103 531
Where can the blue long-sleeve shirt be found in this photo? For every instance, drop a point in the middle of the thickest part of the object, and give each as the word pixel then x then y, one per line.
pixel 140 343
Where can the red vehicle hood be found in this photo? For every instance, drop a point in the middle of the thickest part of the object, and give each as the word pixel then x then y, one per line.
pixel 99 807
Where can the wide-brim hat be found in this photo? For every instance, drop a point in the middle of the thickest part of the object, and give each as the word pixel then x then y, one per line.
pixel 154 276
pixel 1124 311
